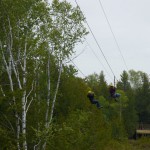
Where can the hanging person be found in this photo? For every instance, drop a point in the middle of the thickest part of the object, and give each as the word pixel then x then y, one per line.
pixel 90 95
pixel 112 91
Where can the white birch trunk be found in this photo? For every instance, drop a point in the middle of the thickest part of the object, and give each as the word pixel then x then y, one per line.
pixel 12 66
pixel 48 98
pixel 54 100
pixel 56 91
pixel 15 71
pixel 24 120
pixel 37 98
pixel 2 91
pixel 48 92
pixel 24 101
pixel 18 132
pixel 11 56
pixel 8 70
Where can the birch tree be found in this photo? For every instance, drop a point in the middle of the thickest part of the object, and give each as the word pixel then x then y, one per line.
pixel 35 35
pixel 23 25
pixel 67 30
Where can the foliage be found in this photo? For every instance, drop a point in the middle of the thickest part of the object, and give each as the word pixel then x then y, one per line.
pixel 35 35
pixel 141 144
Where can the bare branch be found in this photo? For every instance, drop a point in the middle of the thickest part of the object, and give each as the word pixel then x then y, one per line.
pixel 27 98
pixel 2 91
pixel 8 71
pixel 37 145
pixel 29 105
pixel 29 92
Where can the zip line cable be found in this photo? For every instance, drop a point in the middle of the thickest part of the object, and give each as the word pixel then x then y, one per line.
pixel 71 60
pixel 100 48
pixel 78 68
pixel 113 33
pixel 79 53
pixel 97 43
pixel 94 55
pixel 98 58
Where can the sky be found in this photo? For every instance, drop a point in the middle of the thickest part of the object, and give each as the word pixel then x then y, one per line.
pixel 130 23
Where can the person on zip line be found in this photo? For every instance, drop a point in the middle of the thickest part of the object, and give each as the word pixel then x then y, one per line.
pixel 112 91
pixel 90 96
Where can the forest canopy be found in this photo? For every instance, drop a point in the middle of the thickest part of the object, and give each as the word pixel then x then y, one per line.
pixel 43 103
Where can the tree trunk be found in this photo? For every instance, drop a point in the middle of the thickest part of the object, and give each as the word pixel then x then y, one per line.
pixel 56 91
pixel 48 98
pixel 48 92
pixel 8 70
pixel 24 120
pixel 54 100
pixel 18 132
pixel 24 101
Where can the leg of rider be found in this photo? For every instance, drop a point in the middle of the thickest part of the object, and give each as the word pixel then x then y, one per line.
pixel 117 95
pixel 96 102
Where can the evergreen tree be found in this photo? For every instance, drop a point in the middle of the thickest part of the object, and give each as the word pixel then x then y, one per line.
pixel 124 83
pixel 129 113
pixel 93 82
pixel 103 89
pixel 142 99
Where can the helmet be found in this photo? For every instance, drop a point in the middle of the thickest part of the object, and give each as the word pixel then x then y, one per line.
pixel 89 92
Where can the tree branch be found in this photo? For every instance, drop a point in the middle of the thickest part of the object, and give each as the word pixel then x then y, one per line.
pixel 29 104
pixel 2 91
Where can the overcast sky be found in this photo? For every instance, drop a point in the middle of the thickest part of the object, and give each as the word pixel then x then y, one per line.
pixel 130 23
